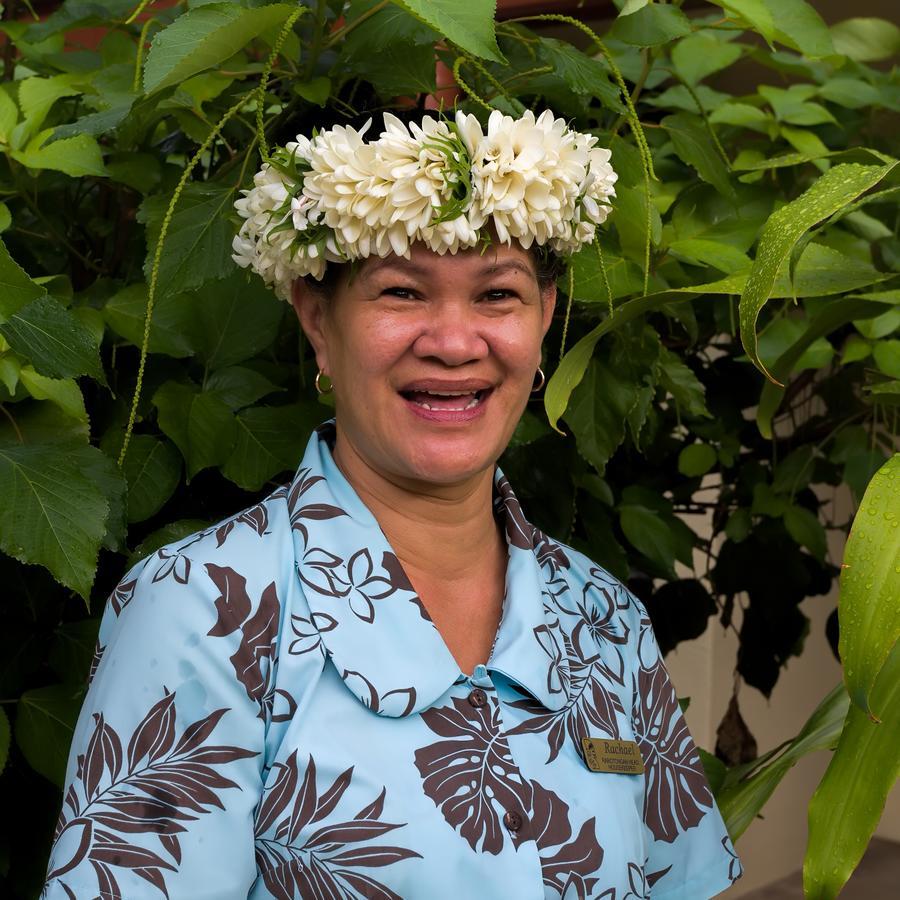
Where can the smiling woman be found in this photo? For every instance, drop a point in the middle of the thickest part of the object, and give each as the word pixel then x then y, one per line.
pixel 386 644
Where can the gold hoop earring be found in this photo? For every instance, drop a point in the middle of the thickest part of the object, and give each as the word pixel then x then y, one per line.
pixel 319 388
pixel 539 380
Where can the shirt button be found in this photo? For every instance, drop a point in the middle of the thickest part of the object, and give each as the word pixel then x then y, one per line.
pixel 513 821
pixel 477 698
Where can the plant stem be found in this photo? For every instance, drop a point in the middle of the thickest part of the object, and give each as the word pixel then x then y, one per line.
pixel 13 422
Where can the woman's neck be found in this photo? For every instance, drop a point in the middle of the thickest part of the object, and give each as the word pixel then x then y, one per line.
pixel 442 532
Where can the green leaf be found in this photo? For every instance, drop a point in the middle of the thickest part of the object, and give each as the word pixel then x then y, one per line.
pixel 870 585
pixel 16 288
pixel 631 223
pixel 651 25
pixel 887 357
pixel 700 252
pixel 680 381
pixel 233 320
pixel 72 650
pixel 469 25
pixel 622 276
pixel 835 189
pixel 743 115
pixel 881 326
pixel 581 73
pixel 76 156
pixel 383 28
pixel 9 115
pixel 104 474
pixel 37 96
pixel 54 340
pixel 170 326
pixel 696 460
pixel 398 70
pixel 5 217
pixel 849 800
pixel 63 392
pixel 5 735
pixel 694 145
pixel 174 531
pixel 200 423
pixel 198 243
pixel 805 528
pixel 153 469
pixel 767 503
pixel 53 513
pixel 94 124
pixel 650 534
pixel 793 106
pixel 317 91
pixel 866 40
pixel 747 789
pixel 45 723
pixel 700 55
pixel 204 37
pixel 239 386
pixel 269 441
pixel 739 524
pixel 791 22
pixel 855 349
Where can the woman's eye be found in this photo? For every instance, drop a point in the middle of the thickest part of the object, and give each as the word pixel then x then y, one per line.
pixel 403 293
pixel 499 294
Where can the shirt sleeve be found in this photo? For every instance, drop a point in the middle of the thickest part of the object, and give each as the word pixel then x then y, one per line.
pixel 690 855
pixel 165 769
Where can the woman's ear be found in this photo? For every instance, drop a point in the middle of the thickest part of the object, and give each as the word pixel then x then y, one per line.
pixel 548 305
pixel 310 308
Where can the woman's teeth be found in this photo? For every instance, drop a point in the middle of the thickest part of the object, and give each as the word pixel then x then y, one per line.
pixel 446 401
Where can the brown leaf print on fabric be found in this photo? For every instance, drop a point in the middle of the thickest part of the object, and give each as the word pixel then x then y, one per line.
pixel 301 484
pixel 296 863
pixel 308 633
pixel 471 776
pixel 151 788
pixel 568 864
pixel 397 702
pixel 122 595
pixel 256 518
pixel 590 712
pixel 519 531
pixel 258 631
pixel 676 794
pixel 95 660
pixel 598 627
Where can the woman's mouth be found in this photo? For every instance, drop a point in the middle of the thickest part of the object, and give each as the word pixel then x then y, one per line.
pixel 447 401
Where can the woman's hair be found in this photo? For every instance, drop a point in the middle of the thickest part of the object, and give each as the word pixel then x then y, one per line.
pixel 548 268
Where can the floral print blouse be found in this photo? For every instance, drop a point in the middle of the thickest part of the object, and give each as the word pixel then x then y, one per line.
pixel 272 713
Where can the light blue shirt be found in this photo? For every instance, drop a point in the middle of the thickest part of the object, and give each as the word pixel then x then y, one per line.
pixel 272 713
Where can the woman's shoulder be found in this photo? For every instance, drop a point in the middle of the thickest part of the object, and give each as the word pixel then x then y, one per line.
pixel 248 551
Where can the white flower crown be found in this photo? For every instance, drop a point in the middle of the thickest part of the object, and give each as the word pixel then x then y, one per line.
pixel 337 197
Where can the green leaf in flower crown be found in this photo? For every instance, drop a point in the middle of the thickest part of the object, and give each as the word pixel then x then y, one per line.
pixel 699 55
pixel 866 40
pixel 651 25
pixel 153 469
pixel 834 190
pixel 16 288
pixel 55 515
pixel 469 25
pixel 200 423
pixel 849 800
pixel 54 340
pixel 198 243
pixel 270 440
pixel 204 37
pixel 45 723
pixel 170 327
pixel 694 145
pixel 77 156
pixel 870 586
pixel 234 319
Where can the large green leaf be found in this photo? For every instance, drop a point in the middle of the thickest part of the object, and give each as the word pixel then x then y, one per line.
pixel 747 788
pixel 866 40
pixel 694 145
pixel 269 441
pixel 37 95
pixel 389 25
pixel 848 803
pixel 45 722
pixel 469 25
pixel 701 54
pixel 581 73
pixel 76 156
pixel 239 386
pixel 204 37
pixel 870 586
pixel 233 320
pixel 835 189
pixel 651 25
pixel 153 469
pixel 53 513
pixel 198 242
pixel 16 288
pixel 126 311
pixel 200 423
pixel 649 533
pixel 56 342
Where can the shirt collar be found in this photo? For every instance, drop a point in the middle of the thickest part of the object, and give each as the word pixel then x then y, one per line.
pixel 370 620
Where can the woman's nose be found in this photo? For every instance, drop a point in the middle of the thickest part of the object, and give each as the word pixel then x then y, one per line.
pixel 453 334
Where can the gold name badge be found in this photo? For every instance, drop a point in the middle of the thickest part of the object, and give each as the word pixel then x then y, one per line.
pixel 621 757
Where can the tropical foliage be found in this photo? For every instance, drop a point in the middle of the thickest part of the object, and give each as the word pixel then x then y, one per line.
pixel 728 348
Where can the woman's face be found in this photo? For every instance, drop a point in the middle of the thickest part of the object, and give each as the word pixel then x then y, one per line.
pixel 432 358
